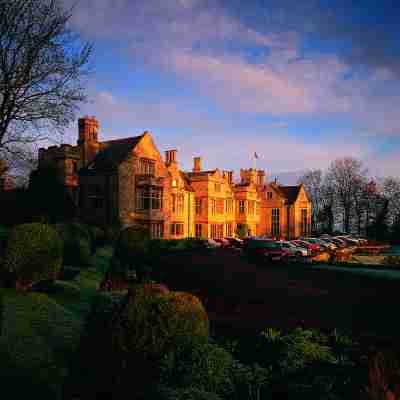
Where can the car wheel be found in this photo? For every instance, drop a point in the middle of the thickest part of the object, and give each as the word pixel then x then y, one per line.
pixel 299 254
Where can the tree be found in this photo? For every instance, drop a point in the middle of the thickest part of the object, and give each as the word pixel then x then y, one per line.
pixel 345 175
pixel 313 183
pixel 42 67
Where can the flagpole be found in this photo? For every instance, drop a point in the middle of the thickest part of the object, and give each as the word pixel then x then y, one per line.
pixel 254 161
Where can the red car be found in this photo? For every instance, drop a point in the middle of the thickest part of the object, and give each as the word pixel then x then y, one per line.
pixel 311 246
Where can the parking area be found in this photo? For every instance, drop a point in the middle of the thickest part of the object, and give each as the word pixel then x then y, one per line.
pixel 241 295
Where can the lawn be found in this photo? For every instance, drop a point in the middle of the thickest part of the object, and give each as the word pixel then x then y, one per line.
pixel 41 331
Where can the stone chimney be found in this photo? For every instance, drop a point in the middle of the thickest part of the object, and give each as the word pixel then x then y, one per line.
pixel 228 175
pixel 170 157
pixel 260 177
pixel 196 164
pixel 88 128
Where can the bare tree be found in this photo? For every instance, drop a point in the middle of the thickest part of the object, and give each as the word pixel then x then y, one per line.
pixel 313 183
pixel 42 70
pixel 345 174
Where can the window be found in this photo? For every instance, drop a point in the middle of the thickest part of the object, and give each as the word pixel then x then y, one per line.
pixel 242 207
pixel 304 222
pixel 229 206
pixel 198 230
pixel 177 201
pixel 220 206
pixel 275 222
pixel 74 167
pixel 146 166
pixel 176 229
pixel 251 207
pixel 213 206
pixel 217 187
pixel 217 231
pixel 229 229
pixel 258 208
pixel 198 206
pixel 96 196
pixel 269 195
pixel 149 198
pixel 157 230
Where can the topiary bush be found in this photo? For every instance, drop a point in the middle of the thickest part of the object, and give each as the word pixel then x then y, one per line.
pixel 34 253
pixel 132 251
pixel 1 312
pixel 152 322
pixel 132 333
pixel 4 232
pixel 77 244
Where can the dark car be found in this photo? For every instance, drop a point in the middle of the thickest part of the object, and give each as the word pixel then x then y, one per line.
pixel 267 249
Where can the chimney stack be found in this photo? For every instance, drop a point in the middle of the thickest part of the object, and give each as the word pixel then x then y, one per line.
pixel 170 156
pixel 196 164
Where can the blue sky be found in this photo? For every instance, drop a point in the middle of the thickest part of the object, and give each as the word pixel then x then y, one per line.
pixel 300 83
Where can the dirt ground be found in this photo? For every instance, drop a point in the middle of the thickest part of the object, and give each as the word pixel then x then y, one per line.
pixel 247 297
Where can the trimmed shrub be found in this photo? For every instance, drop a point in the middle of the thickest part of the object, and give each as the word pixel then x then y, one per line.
pixel 1 312
pixel 76 241
pixel 34 253
pixel 152 322
pixel 132 251
pixel 4 232
pixel 132 333
pixel 97 237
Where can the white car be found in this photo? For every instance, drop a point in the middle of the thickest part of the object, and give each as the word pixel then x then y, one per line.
pixel 294 250
pixel 211 243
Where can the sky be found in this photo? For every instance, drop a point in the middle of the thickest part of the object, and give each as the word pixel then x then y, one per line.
pixel 298 82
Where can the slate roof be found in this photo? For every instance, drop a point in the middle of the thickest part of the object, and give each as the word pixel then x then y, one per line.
pixel 290 193
pixel 113 153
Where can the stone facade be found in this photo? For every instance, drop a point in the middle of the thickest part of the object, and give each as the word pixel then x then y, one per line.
pixel 128 181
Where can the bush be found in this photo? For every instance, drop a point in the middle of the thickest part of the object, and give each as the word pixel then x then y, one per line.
pixel 202 366
pixel 89 377
pixel 186 394
pixel 132 333
pixel 34 253
pixel 1 312
pixel 393 261
pixel 132 251
pixel 76 241
pixel 152 322
pixel 4 232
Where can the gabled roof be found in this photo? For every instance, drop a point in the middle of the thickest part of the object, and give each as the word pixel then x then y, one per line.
pixel 113 153
pixel 185 179
pixel 289 193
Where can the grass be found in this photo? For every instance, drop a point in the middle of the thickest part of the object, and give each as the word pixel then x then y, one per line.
pixel 41 331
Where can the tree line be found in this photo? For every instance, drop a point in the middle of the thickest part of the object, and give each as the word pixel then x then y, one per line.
pixel 346 198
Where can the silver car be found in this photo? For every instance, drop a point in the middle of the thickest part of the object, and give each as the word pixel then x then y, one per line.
pixel 293 250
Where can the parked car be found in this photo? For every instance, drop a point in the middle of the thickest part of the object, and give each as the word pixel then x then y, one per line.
pixel 295 250
pixel 224 242
pixel 235 242
pixel 211 243
pixel 331 245
pixel 268 249
pixel 314 247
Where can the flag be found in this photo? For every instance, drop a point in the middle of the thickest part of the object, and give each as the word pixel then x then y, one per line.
pixel 255 155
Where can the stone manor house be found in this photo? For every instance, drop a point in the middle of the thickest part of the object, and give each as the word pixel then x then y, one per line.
pixel 127 180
